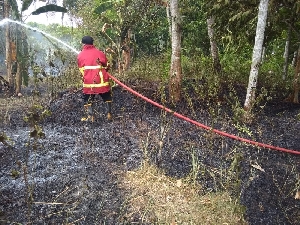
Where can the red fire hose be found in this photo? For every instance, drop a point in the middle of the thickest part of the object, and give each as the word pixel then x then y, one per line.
pixel 204 126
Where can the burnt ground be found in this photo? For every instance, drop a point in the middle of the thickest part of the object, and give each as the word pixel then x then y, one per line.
pixel 72 174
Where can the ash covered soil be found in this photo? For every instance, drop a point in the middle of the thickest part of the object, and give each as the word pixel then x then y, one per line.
pixel 73 175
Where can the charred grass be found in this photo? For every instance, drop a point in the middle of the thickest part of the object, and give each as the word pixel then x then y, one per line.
pixel 147 167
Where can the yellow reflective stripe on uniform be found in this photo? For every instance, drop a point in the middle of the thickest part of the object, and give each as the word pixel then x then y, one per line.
pixel 93 67
pixel 102 83
pixel 101 77
pixel 96 85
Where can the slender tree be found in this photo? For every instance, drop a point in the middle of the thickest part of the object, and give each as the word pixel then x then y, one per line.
pixel 175 69
pixel 7 45
pixel 286 54
pixel 169 18
pixel 297 79
pixel 213 44
pixel 257 53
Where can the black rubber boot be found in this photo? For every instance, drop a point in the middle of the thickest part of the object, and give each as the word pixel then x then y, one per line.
pixel 108 107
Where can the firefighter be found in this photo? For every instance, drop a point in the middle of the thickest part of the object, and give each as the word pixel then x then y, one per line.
pixel 93 66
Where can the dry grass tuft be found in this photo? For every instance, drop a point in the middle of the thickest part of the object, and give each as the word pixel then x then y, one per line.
pixel 158 199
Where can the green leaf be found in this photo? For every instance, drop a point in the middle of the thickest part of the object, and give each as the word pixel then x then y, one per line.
pixel 26 4
pixel 240 15
pixel 49 8
pixel 297 7
pixel 15 173
pixel 216 7
pixel 103 7
pixel 2 138
pixel 14 7
pixel 34 133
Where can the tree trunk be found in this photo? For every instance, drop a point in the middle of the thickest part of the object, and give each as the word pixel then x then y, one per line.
pixel 263 54
pixel 124 61
pixel 286 54
pixel 294 61
pixel 175 70
pixel 297 79
pixel 18 79
pixel 213 45
pixel 169 19
pixel 257 53
pixel 7 46
pixel 126 56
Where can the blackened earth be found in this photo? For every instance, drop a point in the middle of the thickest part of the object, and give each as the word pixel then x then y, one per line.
pixel 73 174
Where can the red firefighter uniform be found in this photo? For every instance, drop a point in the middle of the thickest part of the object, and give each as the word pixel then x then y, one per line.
pixel 92 64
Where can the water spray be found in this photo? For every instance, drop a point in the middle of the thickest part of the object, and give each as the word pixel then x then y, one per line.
pixel 6 20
